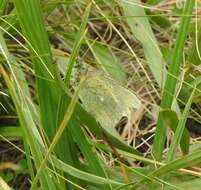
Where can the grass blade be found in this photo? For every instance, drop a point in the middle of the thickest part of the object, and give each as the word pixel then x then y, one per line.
pixel 76 132
pixel 78 42
pixel 30 18
pixel 3 4
pixel 107 61
pixel 170 118
pixel 27 125
pixel 180 128
pixel 141 29
pixel 91 178
pixel 171 81
pixel 35 35
pixel 11 132
pixel 56 138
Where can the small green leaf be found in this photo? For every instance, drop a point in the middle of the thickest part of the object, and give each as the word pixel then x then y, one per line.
pixel 108 62
pixel 170 118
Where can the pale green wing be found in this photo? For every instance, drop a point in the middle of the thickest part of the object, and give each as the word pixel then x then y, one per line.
pixel 107 100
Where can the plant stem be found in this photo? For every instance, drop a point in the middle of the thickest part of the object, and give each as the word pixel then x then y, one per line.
pixel 171 81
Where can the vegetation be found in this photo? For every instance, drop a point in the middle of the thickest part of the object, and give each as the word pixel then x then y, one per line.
pixel 100 94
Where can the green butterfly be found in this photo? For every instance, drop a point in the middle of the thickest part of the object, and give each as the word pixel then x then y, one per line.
pixel 107 100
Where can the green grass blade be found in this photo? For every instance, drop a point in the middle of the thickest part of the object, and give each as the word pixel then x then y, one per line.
pixel 21 98
pixel 107 61
pixel 171 81
pixel 26 120
pixel 159 20
pixel 77 44
pixel 29 160
pixel 22 86
pixel 91 178
pixel 170 118
pixel 77 132
pixel 153 1
pixel 141 29
pixel 30 18
pixel 180 128
pixel 3 4
pixel 11 132
pixel 194 55
pixel 56 138
pixel 28 128
pixel 88 151
pixel 72 156
pixel 189 184
pixel 31 22
pixel 180 163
